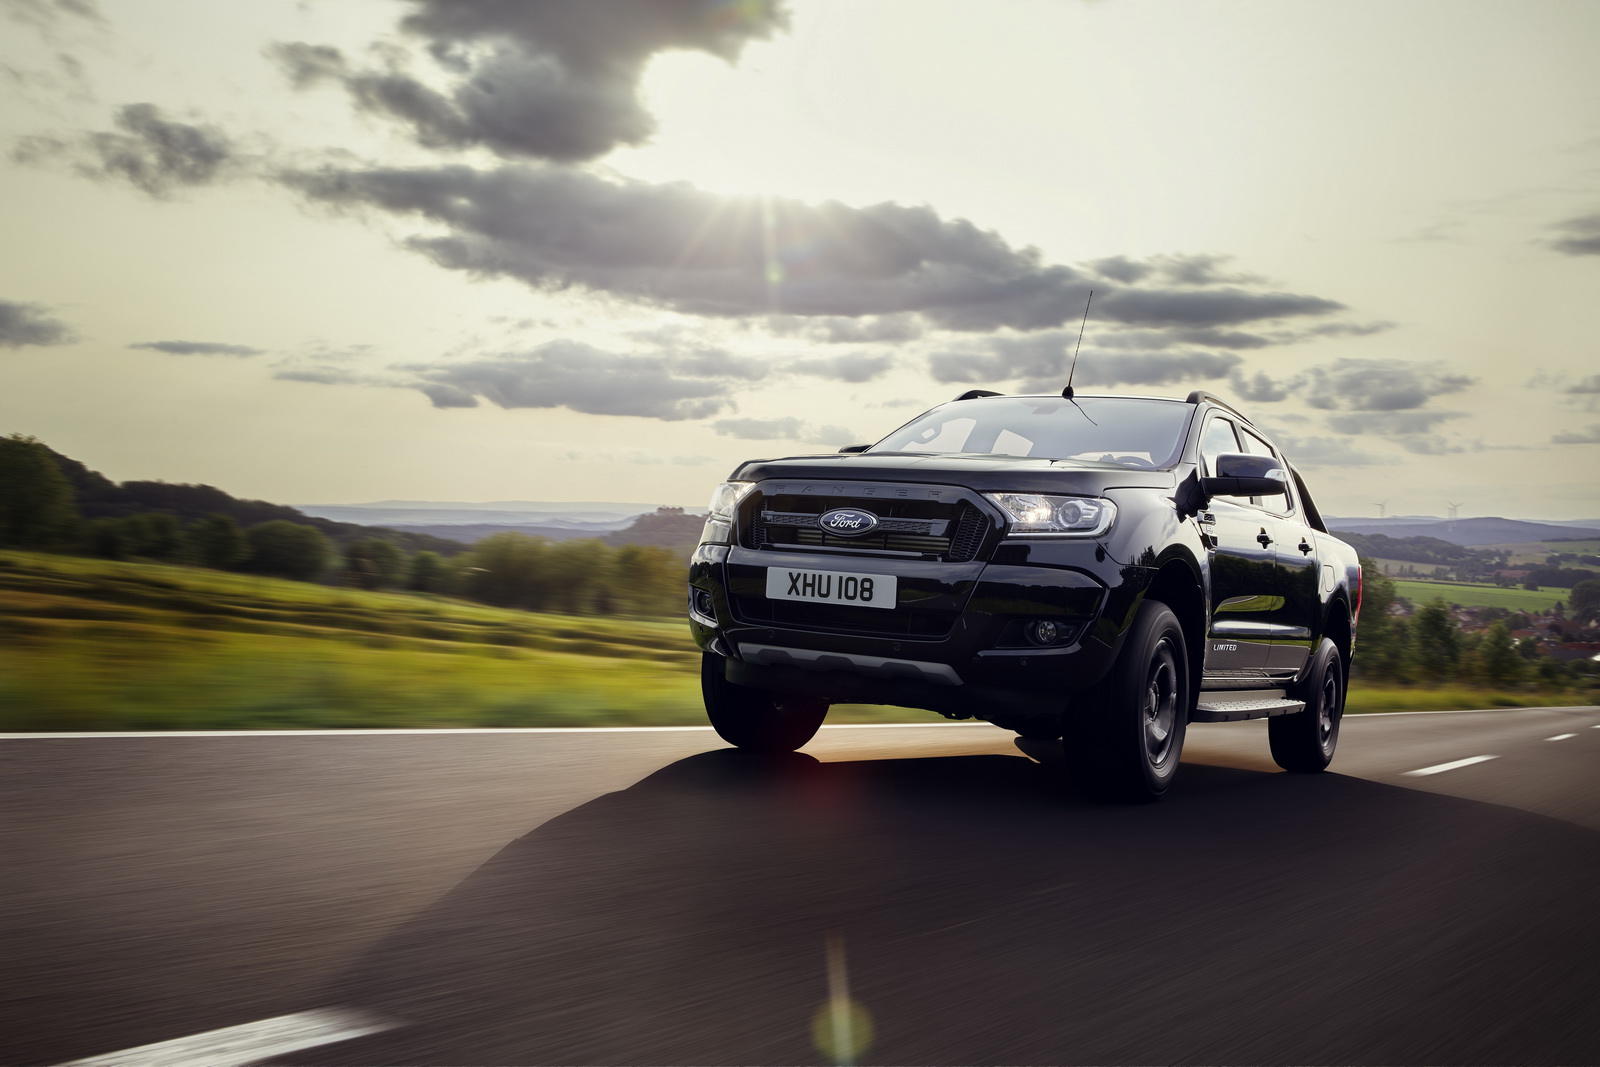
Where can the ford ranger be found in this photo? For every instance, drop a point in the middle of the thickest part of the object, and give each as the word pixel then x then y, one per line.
pixel 1090 571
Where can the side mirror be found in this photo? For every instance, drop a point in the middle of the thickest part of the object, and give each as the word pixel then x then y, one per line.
pixel 855 448
pixel 1242 475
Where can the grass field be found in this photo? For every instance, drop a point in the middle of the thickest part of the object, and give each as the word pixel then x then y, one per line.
pixel 95 645
pixel 1536 552
pixel 1491 596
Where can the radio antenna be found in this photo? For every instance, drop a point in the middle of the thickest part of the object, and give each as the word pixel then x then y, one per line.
pixel 1067 392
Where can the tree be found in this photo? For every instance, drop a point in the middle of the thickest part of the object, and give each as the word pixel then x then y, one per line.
pixel 374 564
pixel 154 535
pixel 1584 602
pixel 1498 659
pixel 1382 639
pixel 428 573
pixel 218 542
pixel 107 539
pixel 1435 643
pixel 288 550
pixel 509 570
pixel 36 506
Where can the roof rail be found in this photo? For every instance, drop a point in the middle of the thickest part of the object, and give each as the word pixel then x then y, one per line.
pixel 1200 394
pixel 974 394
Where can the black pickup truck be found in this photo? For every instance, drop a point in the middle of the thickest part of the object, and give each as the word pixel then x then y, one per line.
pixel 1102 570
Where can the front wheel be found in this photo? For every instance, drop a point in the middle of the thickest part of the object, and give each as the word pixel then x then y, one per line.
pixel 1124 737
pixel 757 720
pixel 1304 742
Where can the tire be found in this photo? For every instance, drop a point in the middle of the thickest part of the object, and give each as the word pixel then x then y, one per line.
pixel 757 720
pixel 1124 738
pixel 1304 742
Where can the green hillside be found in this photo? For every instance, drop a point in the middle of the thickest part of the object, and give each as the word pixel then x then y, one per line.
pixel 1491 596
pixel 95 644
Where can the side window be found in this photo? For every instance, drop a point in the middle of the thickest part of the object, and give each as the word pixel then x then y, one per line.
pixel 1218 438
pixel 1258 447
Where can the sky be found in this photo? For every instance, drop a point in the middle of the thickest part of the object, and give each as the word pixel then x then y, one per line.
pixel 331 252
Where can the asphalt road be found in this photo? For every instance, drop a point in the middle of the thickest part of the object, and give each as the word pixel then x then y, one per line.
pixel 632 897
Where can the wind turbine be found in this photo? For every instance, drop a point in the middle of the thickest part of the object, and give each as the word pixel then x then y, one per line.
pixel 1454 510
pixel 1381 505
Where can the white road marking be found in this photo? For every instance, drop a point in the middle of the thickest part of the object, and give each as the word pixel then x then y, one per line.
pixel 1452 765
pixel 463 730
pixel 234 1046
pixel 1560 737
pixel 420 731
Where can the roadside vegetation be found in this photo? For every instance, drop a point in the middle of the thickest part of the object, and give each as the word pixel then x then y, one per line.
pixel 166 620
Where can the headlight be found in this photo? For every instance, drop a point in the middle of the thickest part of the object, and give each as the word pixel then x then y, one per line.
pixel 718 529
pixel 1068 516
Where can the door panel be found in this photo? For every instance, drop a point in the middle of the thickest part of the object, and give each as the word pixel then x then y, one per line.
pixel 1243 580
pixel 1294 615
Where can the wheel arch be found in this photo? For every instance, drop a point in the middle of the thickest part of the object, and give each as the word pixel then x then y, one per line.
pixel 1176 583
pixel 1336 627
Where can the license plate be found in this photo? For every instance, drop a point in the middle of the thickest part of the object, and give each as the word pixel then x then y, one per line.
pixel 831 587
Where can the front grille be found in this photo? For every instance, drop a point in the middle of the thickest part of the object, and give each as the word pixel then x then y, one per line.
pixel 898 623
pixel 952 532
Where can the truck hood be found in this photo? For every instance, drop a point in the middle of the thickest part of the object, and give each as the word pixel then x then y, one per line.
pixel 982 473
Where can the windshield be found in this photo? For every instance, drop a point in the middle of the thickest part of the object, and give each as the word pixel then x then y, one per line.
pixel 1127 431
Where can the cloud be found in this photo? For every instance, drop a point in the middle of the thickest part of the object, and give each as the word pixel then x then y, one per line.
pixel 716 363
pixel 1208 307
pixel 1312 452
pixel 573 375
pixel 321 376
pixel 45 14
pixel 1590 436
pixel 29 324
pixel 198 348
pixel 1581 236
pixel 697 252
pixel 857 367
pixel 1391 423
pixel 837 330
pixel 1591 384
pixel 154 154
pixel 1378 385
pixel 539 79
pixel 1259 389
pixel 1041 361
pixel 786 428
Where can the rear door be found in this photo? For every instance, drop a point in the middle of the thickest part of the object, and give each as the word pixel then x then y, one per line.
pixel 1242 567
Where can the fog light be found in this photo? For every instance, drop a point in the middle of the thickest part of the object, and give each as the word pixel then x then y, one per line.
pixel 1043 632
pixel 702 604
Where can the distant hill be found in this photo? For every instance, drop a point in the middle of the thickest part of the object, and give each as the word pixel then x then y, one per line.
pixel 473 532
pixel 672 528
pixel 98 497
pixel 599 517
pixel 1468 532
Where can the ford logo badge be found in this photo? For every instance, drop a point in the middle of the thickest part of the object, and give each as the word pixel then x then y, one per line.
pixel 848 522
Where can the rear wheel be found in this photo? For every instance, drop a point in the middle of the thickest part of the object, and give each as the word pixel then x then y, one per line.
pixel 1304 742
pixel 1124 737
pixel 757 720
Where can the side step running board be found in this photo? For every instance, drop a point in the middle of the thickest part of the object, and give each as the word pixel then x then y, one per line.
pixel 1244 704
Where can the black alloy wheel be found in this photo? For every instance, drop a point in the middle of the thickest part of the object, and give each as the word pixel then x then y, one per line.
pixel 1304 742
pixel 757 720
pixel 1125 737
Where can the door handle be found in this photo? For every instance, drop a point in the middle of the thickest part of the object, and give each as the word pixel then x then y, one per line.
pixel 1263 538
pixel 1305 547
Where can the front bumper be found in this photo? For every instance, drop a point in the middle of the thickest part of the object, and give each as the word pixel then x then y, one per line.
pixel 952 620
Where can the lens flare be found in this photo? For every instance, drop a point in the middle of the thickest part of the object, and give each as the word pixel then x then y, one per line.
pixel 842 1029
